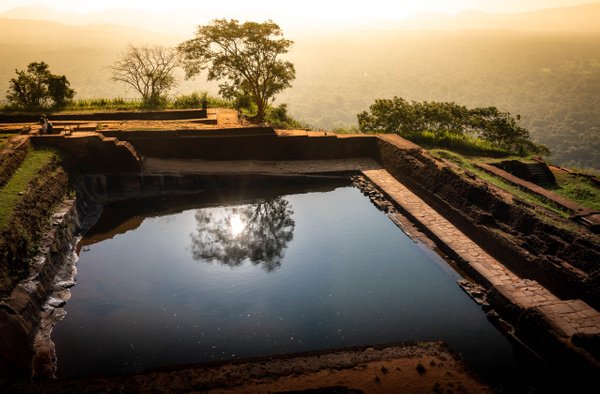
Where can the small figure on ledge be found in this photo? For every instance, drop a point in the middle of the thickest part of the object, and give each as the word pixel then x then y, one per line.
pixel 46 125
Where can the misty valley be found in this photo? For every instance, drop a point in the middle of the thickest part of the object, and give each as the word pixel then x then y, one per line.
pixel 551 79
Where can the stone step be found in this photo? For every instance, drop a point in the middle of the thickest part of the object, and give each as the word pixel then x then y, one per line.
pixel 566 318
pixel 541 174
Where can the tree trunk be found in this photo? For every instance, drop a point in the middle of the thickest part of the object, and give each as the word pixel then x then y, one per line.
pixel 260 114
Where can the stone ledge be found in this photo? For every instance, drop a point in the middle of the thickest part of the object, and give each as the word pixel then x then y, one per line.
pixel 513 297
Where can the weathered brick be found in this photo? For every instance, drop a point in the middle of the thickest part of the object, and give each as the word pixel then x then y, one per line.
pixel 566 317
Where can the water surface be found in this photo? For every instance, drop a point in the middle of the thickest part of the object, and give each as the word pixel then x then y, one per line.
pixel 280 274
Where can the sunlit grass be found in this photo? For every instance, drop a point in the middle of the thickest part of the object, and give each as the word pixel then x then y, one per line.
pixel 460 143
pixel 13 191
pixel 466 163
pixel 190 101
pixel 578 189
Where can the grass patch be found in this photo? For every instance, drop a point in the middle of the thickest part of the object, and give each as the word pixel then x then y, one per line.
pixel 466 164
pixel 456 142
pixel 191 101
pixel 11 193
pixel 578 189
pixel 44 184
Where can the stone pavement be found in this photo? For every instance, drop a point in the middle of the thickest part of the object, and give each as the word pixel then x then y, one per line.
pixel 565 317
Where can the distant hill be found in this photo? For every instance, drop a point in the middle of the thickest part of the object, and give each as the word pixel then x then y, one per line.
pixel 31 31
pixel 551 79
pixel 149 21
pixel 583 18
pixel 82 53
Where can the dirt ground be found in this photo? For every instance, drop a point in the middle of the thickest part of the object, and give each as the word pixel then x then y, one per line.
pixel 225 118
pixel 425 367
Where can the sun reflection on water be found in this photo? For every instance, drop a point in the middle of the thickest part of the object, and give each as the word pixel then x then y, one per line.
pixel 237 225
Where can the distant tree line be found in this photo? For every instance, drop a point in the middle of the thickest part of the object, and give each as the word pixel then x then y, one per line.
pixel 489 124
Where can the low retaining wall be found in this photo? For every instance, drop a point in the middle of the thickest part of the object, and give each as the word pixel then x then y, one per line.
pixel 92 152
pixel 23 312
pixel 95 153
pixel 251 147
pixel 130 136
pixel 99 116
pixel 563 261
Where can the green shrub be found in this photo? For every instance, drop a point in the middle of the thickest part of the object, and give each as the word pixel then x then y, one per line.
pixel 279 118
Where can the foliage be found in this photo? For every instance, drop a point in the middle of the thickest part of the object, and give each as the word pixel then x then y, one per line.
pixel 117 103
pixel 37 88
pixel 448 121
pixel 244 57
pixel 279 118
pixel 345 130
pixel 521 73
pixel 196 99
pixel 189 101
pixel 149 70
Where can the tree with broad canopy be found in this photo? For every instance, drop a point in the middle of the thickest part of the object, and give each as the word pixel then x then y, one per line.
pixel 244 56
pixel 37 87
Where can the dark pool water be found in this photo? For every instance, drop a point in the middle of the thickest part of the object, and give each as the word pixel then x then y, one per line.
pixel 280 274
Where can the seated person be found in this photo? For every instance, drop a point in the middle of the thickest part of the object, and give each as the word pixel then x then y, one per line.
pixel 46 125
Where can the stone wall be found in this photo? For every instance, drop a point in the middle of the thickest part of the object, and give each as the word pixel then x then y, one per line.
pixel 22 313
pixel 251 147
pixel 92 152
pixel 564 261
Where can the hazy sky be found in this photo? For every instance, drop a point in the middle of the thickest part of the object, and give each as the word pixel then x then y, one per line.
pixel 339 10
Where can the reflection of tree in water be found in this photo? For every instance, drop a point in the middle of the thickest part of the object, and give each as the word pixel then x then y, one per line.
pixel 259 232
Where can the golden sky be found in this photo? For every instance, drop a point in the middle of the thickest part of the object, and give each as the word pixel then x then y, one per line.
pixel 345 9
